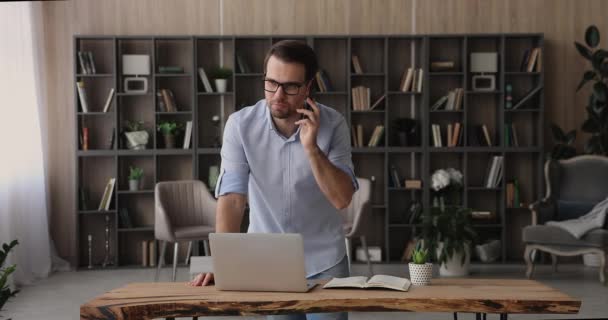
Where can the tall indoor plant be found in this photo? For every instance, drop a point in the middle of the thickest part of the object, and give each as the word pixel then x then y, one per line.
pixel 5 290
pixel 596 123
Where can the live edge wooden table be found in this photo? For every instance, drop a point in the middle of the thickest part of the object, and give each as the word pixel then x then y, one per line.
pixel 480 296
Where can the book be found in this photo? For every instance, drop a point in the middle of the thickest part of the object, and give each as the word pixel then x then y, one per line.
pixel 360 135
pixel 83 197
pixel 206 84
pixel 406 81
pixel 396 180
pixel 419 79
pixel 85 138
pixel 353 135
pixel 442 65
pixel 82 95
pixel 242 64
pixel 82 62
pixel 170 69
pixel 377 102
pixel 108 103
pixel 413 184
pixel 376 136
pixel 91 62
pixel 152 253
pixel 486 135
pixel 169 100
pixel 356 64
pixel 144 253
pixel 106 199
pixel 441 101
pixel 532 62
pixel 187 135
pixel 377 281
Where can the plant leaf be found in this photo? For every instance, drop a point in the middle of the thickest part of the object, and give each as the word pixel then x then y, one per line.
pixel 587 76
pixel 590 126
pixel 571 137
pixel 558 133
pixel 598 57
pixel 599 91
pixel 592 36
pixel 583 51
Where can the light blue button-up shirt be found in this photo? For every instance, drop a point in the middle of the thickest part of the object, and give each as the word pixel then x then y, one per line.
pixel 275 172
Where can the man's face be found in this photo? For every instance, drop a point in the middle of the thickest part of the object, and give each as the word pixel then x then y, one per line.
pixel 283 105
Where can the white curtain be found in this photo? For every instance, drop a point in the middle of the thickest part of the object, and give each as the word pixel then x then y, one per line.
pixel 23 196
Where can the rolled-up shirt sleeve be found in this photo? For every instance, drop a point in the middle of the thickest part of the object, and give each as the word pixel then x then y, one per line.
pixel 340 151
pixel 234 171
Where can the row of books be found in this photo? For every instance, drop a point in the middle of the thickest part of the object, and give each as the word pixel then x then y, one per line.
pixel 513 197
pixel 494 172
pixel 148 253
pixel 166 103
pixel 87 64
pixel 411 80
pixel 453 135
pixel 374 140
pixel 361 97
pixel 84 101
pixel 532 60
pixel 451 101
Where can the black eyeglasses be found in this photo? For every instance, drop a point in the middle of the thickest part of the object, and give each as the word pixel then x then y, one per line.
pixel 290 88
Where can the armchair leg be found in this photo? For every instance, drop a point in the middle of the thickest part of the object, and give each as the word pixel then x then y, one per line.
pixel 554 262
pixel 529 262
pixel 189 253
pixel 175 250
pixel 206 247
pixel 369 263
pixel 161 259
pixel 348 253
pixel 603 270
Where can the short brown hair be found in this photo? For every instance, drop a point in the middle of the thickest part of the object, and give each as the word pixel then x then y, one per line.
pixel 294 51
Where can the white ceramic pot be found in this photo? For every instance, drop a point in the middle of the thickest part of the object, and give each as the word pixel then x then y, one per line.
pixel 221 85
pixel 134 185
pixel 452 267
pixel 421 274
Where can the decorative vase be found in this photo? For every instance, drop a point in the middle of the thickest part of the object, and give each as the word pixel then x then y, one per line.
pixel 134 185
pixel 169 141
pixel 137 140
pixel 452 266
pixel 221 85
pixel 421 274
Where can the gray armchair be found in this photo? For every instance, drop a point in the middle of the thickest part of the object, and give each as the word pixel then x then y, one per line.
pixel 574 187
pixel 184 211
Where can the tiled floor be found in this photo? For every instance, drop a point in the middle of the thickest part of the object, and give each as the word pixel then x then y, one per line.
pixel 60 296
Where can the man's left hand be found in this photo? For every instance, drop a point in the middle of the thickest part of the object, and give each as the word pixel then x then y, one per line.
pixel 309 126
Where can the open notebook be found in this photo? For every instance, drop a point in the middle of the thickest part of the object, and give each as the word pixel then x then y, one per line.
pixel 377 281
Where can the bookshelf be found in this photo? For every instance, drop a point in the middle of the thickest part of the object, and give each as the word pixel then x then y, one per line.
pixel 407 143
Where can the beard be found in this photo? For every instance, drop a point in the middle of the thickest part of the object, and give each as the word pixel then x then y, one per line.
pixel 281 111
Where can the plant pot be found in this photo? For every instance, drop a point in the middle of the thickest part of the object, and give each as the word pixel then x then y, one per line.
pixel 134 185
pixel 137 140
pixel 169 141
pixel 421 274
pixel 221 85
pixel 452 267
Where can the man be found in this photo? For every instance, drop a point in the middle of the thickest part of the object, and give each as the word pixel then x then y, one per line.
pixel 293 163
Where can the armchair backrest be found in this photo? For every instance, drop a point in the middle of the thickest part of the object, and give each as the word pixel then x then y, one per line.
pixel 186 203
pixel 359 207
pixel 579 182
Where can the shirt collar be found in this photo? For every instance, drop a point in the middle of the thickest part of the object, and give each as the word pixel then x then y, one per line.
pixel 272 127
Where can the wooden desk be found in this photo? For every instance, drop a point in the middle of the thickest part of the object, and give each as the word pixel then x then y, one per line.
pixel 158 300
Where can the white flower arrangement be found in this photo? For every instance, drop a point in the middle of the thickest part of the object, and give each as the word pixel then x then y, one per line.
pixel 444 178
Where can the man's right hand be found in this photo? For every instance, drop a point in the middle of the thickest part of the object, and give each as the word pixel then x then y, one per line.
pixel 203 279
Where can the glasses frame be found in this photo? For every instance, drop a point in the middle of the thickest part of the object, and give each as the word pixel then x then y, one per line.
pixel 282 85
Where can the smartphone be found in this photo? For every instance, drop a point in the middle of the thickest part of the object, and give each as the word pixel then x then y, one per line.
pixel 307 107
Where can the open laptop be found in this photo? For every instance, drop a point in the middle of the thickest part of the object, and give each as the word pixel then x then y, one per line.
pixel 259 262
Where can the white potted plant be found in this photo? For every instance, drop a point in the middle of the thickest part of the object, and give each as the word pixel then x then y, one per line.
pixel 136 136
pixel 221 76
pixel 421 271
pixel 135 178
pixel 447 227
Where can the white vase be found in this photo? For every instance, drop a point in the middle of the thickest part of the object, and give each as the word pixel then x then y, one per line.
pixel 221 85
pixel 134 185
pixel 421 274
pixel 452 267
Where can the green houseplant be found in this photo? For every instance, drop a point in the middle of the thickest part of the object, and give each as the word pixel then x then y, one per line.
pixel 562 143
pixel 5 290
pixel 221 76
pixel 135 178
pixel 596 123
pixel 421 271
pixel 169 129
pixel 448 234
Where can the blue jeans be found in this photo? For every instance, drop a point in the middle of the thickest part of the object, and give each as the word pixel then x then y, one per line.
pixel 339 271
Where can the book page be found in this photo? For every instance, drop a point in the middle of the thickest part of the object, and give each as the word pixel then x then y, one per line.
pixel 354 282
pixel 389 282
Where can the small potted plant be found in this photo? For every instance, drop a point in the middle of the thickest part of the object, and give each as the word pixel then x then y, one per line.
pixel 169 130
pixel 135 178
pixel 421 271
pixel 136 136
pixel 221 76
